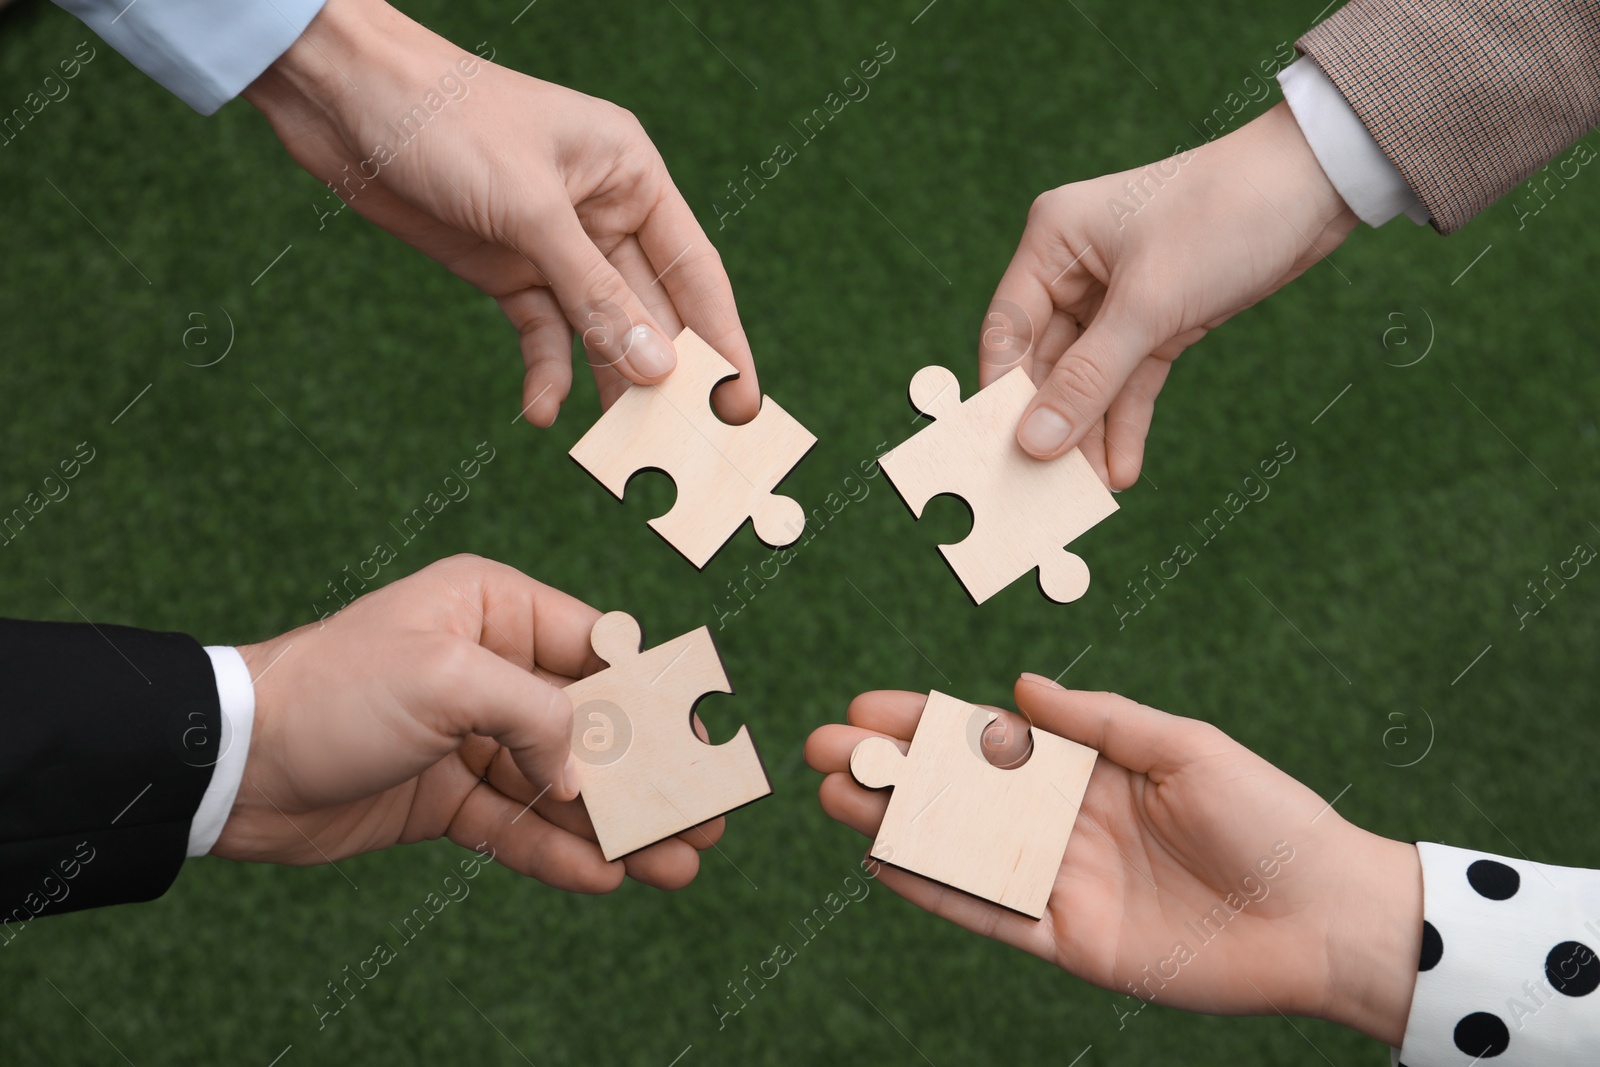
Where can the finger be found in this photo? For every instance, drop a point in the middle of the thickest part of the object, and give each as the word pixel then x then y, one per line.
pixel 1004 742
pixel 475 691
pixel 526 843
pixel 612 323
pixel 535 626
pixel 846 801
pixel 1093 447
pixel 1128 420
pixel 829 747
pixel 688 265
pixel 887 711
pixel 1059 336
pixel 1084 381
pixel 967 912
pixel 1007 741
pixel 546 341
pixel 706 834
pixel 1016 318
pixel 1123 731
pixel 669 864
pixel 862 810
pixel 635 267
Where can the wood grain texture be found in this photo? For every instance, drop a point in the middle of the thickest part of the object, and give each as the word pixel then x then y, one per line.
pixel 997 833
pixel 724 474
pixel 646 775
pixel 1023 509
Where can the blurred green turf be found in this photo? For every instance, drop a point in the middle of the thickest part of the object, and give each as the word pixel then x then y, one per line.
pixel 1415 510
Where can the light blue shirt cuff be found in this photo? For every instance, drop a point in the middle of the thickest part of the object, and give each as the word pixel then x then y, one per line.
pixel 1352 160
pixel 204 51
pixel 236 693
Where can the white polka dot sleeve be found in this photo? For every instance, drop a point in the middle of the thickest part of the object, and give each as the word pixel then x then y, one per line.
pixel 1508 970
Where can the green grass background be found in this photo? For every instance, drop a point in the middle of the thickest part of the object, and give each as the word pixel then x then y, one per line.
pixel 1396 541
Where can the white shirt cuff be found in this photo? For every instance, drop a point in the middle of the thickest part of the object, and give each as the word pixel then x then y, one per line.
pixel 1350 157
pixel 237 695
pixel 204 51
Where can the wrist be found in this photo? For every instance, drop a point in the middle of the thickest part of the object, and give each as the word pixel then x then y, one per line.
pixel 1287 160
pixel 1374 938
pixel 328 64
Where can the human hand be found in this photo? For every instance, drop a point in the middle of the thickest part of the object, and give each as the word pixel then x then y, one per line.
pixel 552 202
pixel 1197 875
pixel 1116 276
pixel 433 707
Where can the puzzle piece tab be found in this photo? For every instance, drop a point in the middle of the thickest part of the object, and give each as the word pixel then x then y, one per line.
pixel 1023 509
pixel 645 774
pixel 724 474
pixel 997 833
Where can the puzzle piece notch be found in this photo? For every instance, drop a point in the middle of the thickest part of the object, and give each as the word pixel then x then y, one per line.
pixel 779 520
pixel 650 776
pixel 936 393
pixel 723 474
pixel 877 762
pixel 1024 510
pixel 616 638
pixel 996 833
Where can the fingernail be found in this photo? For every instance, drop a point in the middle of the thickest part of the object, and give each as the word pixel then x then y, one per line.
pixel 648 353
pixel 570 781
pixel 1043 432
pixel 1039 679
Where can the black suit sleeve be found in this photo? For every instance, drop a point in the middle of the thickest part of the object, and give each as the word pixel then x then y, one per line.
pixel 107 740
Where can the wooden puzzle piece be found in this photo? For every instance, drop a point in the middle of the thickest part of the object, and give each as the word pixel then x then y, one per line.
pixel 645 774
pixel 997 833
pixel 724 474
pixel 1023 509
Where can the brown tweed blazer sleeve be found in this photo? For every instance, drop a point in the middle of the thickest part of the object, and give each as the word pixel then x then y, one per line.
pixel 1465 99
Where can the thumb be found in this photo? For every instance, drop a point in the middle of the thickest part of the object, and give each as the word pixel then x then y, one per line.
pixel 1084 381
pixel 526 714
pixel 1123 731
pixel 606 314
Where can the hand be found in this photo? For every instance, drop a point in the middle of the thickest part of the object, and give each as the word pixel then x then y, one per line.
pixel 1197 875
pixel 1118 275
pixel 433 708
pixel 552 202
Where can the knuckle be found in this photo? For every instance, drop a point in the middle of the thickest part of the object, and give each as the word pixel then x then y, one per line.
pixel 536 317
pixel 1078 379
pixel 1043 206
pixel 456 567
pixel 625 119
pixel 604 294
pixel 449 664
pixel 1202 736
pixel 705 257
pixel 557 713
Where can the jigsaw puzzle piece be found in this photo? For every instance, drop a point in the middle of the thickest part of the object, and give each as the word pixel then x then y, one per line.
pixel 732 480
pixel 645 774
pixel 877 763
pixel 997 833
pixel 1010 536
pixel 723 474
pixel 648 427
pixel 919 466
pixel 1023 510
